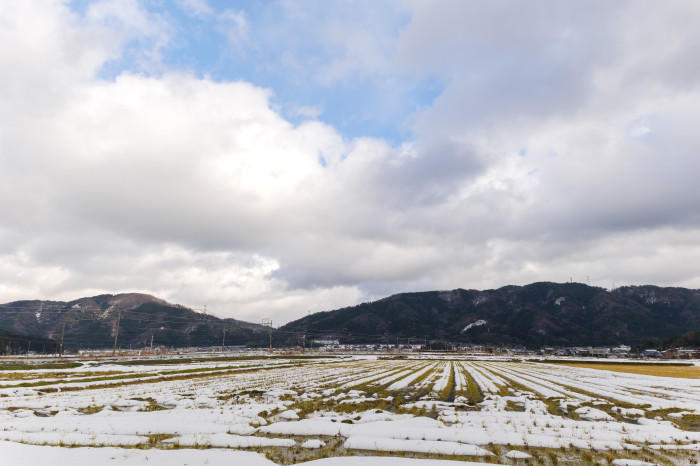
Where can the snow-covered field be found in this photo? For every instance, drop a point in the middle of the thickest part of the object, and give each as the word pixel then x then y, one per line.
pixel 386 411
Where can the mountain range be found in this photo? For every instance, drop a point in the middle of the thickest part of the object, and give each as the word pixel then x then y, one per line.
pixel 535 315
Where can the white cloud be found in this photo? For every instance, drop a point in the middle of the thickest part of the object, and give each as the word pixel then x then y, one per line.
pixel 307 111
pixel 558 149
pixel 123 21
pixel 198 8
pixel 234 26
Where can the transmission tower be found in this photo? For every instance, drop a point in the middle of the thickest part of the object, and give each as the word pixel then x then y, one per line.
pixel 267 322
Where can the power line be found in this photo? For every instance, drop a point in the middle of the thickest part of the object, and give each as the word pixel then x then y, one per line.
pixel 63 331
pixel 116 334
pixel 156 319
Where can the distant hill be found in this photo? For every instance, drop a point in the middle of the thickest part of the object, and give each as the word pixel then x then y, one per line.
pixel 535 315
pixel 91 322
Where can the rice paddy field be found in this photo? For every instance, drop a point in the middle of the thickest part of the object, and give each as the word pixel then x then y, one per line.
pixel 347 410
pixel 659 370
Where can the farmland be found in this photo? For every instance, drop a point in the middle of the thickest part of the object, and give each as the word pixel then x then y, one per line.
pixel 289 409
pixel 659 370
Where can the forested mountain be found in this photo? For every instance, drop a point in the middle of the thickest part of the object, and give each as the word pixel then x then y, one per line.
pixel 92 322
pixel 539 314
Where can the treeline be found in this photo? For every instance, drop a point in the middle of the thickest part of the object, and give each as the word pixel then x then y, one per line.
pixel 689 339
pixel 13 343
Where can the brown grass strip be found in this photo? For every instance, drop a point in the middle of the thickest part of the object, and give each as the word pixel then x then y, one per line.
pixel 679 372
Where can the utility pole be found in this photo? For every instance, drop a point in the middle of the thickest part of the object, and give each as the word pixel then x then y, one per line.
pixel 268 323
pixel 116 334
pixel 151 342
pixel 386 341
pixel 63 331
pixel 223 341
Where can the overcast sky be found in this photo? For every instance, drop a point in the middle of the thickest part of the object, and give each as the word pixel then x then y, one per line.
pixel 268 159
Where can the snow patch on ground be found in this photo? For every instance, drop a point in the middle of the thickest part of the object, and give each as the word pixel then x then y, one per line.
pixel 518 455
pixel 386 461
pixel 229 441
pixel 415 446
pixel 17 454
pixel 626 462
pixel 313 443
pixel 290 415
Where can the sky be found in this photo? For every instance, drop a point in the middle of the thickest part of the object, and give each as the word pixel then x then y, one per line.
pixel 273 158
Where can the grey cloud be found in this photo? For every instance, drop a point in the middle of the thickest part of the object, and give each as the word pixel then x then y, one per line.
pixel 201 192
pixel 431 175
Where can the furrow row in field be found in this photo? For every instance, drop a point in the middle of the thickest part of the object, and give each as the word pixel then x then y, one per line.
pixel 374 375
pixel 444 379
pixel 485 385
pixel 394 377
pixel 533 376
pixel 541 387
pixel 460 378
pixel 408 380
